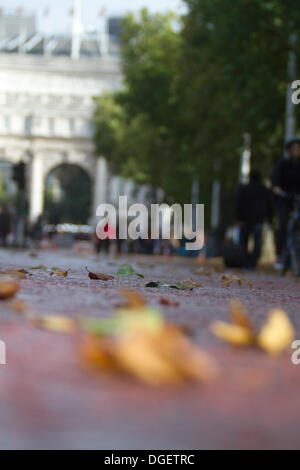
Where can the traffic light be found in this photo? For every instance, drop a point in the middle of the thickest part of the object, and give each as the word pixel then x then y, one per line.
pixel 19 175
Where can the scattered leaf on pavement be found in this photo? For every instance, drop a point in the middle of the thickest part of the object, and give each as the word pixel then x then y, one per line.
pixel 169 302
pixel 276 335
pixel 59 273
pixel 140 343
pixel 54 323
pixel 135 300
pixel 8 289
pixel 228 280
pixel 40 267
pixel 127 270
pixel 19 273
pixel 99 276
pixel 181 285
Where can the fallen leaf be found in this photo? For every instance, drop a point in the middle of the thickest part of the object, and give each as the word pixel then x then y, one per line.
pixel 234 334
pixel 97 352
pixel 40 267
pixel 191 283
pixel 166 357
pixel 139 356
pixel 54 323
pixel 228 280
pixel 8 289
pixel 33 255
pixel 277 334
pixel 139 343
pixel 153 284
pixel 59 273
pixel 99 276
pixel 181 285
pixel 19 273
pixel 239 314
pixel 135 300
pixel 169 302
pixel 127 270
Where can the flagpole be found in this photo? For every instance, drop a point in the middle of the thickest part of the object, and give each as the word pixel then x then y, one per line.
pixel 104 44
pixel 76 30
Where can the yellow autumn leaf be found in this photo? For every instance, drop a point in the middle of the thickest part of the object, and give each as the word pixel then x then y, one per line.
pixel 135 300
pixel 97 352
pixel 55 323
pixel 277 334
pixel 137 356
pixel 239 314
pixel 186 357
pixel 236 335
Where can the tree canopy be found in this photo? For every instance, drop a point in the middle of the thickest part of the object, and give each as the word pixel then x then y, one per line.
pixel 192 88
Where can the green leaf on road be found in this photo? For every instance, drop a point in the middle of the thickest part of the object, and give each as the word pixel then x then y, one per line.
pixel 127 270
pixel 184 285
pixel 41 267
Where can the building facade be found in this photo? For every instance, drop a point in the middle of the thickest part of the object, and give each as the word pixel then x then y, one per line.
pixel 46 109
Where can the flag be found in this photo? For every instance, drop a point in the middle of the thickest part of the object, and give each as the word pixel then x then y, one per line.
pixel 46 11
pixel 72 12
pixel 102 12
pixel 20 10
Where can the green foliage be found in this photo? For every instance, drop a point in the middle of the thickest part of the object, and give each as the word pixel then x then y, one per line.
pixel 135 128
pixel 191 93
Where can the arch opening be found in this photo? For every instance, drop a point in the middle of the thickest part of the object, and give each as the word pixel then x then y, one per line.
pixel 68 195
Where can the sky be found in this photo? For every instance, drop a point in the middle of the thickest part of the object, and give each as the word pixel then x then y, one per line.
pixel 58 20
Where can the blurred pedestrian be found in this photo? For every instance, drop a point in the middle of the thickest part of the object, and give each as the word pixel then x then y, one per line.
pixel 286 184
pixel 37 231
pixel 254 207
pixel 5 224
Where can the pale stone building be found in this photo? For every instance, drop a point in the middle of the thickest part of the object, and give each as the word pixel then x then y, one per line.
pixel 46 107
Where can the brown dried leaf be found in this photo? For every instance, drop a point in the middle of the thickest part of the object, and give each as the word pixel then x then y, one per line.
pixel 8 289
pixel 135 300
pixel 19 273
pixel 228 280
pixel 99 276
pixel 155 358
pixel 97 352
pixel 59 273
pixel 169 302
pixel 239 314
pixel 191 283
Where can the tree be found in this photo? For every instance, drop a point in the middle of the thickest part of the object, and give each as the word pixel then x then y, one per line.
pixel 135 128
pixel 234 72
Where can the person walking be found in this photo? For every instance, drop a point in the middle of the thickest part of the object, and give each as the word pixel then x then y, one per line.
pixel 286 184
pixel 5 224
pixel 254 207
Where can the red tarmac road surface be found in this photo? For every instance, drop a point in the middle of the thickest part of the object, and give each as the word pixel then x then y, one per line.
pixel 48 400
